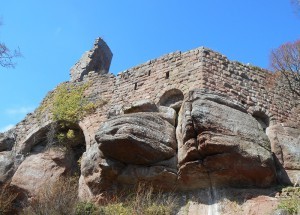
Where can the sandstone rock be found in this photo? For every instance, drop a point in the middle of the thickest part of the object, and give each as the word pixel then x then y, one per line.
pixel 6 166
pixel 140 138
pixel 157 176
pixel 141 106
pixel 97 173
pixel 38 170
pixel 280 212
pixel 162 174
pixel 6 141
pixel 168 114
pixel 285 142
pixel 220 144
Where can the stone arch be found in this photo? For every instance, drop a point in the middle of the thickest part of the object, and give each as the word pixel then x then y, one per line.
pixel 47 136
pixel 262 118
pixel 263 115
pixel 172 98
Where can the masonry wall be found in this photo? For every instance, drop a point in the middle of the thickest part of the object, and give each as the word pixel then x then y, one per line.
pixel 258 90
pixel 150 80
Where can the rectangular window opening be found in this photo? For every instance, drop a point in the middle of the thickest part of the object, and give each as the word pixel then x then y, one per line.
pixel 135 86
pixel 167 75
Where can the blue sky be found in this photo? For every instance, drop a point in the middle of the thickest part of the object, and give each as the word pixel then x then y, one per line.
pixel 53 35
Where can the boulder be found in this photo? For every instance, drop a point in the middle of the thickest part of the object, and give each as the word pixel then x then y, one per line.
pixel 38 170
pixel 6 166
pixel 285 142
pixel 139 138
pixel 6 141
pixel 220 144
pixel 168 114
pixel 162 175
pixel 97 173
pixel 141 106
pixel 130 148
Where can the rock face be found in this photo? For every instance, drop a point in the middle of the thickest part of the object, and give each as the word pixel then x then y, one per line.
pixel 141 106
pixel 285 142
pixel 131 148
pixel 6 166
pixel 38 170
pixel 141 139
pixel 6 141
pixel 219 144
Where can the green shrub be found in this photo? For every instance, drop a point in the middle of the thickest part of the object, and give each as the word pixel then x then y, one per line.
pixel 86 208
pixel 116 208
pixel 291 203
pixel 69 103
pixel 157 209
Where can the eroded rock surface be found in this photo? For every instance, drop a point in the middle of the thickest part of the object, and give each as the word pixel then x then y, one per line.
pixel 140 138
pixel 6 166
pixel 220 144
pixel 131 148
pixel 7 141
pixel 38 170
pixel 285 142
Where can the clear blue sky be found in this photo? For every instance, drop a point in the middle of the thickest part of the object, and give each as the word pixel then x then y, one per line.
pixel 53 35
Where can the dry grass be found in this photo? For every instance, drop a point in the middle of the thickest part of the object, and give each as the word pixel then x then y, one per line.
pixel 59 198
pixel 7 198
pixel 142 200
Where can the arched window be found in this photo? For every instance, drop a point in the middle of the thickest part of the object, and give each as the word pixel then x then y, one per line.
pixel 172 98
pixel 262 119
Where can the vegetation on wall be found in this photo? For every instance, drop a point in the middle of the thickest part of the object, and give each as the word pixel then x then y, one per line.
pixel 67 105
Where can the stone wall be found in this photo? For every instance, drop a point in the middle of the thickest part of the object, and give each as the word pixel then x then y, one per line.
pixel 257 89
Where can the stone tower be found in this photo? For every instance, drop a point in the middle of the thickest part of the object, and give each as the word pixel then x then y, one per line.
pixel 98 59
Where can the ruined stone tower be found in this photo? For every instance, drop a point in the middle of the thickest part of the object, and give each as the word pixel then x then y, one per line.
pixel 98 59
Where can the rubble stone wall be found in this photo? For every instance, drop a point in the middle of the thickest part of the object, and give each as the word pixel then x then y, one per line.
pixel 257 89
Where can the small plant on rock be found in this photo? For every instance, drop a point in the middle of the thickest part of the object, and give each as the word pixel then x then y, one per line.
pixel 291 202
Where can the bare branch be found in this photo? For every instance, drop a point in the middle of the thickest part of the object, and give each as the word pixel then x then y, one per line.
pixel 286 59
pixel 296 5
pixel 6 55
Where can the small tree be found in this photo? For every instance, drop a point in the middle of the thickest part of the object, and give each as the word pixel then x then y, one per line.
pixel 7 55
pixel 286 59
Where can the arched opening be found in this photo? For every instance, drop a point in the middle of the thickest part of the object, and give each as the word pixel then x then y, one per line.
pixel 262 119
pixel 59 134
pixel 172 98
